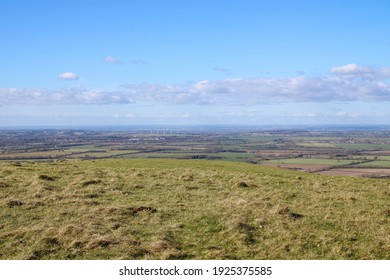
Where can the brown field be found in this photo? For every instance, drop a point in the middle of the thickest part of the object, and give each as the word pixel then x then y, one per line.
pixel 300 167
pixel 319 168
pixel 358 172
pixel 377 153
pixel 282 153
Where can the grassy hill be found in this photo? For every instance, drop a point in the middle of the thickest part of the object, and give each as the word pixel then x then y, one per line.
pixel 188 209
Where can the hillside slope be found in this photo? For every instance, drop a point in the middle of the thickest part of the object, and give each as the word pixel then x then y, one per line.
pixel 188 209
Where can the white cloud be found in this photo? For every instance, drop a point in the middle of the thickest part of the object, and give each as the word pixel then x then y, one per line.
pixel 341 114
pixel 68 76
pixel 267 90
pixel 354 115
pixel 362 72
pixel 66 96
pixel 111 59
pixel 350 83
pixel 349 69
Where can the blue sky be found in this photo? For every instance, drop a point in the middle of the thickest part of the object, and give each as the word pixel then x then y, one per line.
pixel 194 62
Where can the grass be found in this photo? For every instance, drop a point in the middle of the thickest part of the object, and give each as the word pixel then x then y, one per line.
pixel 384 158
pixel 188 209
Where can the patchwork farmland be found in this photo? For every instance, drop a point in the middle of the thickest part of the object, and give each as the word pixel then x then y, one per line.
pixel 364 153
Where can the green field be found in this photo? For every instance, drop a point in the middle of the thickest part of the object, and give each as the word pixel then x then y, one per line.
pixel 43 154
pixel 323 161
pixel 376 163
pixel 81 148
pixel 188 209
pixel 316 144
pixel 235 156
pixel 384 158
pixel 186 154
pixel 171 155
pixel 102 154
pixel 365 147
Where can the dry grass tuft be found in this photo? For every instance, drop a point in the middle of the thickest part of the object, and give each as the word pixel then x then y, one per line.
pixel 14 203
pixel 285 211
pixel 51 241
pixel 91 182
pixel 71 230
pixel 187 177
pixel 102 242
pixel 242 185
pixel 248 232
pixel 4 185
pixel 142 209
pixel 46 178
pixel 157 247
pixel 77 244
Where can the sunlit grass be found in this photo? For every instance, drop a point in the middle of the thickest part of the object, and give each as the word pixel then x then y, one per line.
pixel 188 209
